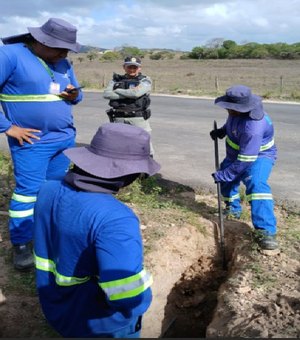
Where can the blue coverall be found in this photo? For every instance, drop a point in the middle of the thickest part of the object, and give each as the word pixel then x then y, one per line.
pixel 25 82
pixel 250 156
pixel 90 276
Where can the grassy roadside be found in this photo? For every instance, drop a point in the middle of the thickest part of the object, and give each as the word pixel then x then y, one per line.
pixel 271 79
pixel 160 205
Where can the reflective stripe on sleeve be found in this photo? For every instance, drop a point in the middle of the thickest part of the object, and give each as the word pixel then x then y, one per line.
pixel 20 213
pixel 62 280
pixel 245 158
pixel 236 146
pixel 128 287
pixel 23 199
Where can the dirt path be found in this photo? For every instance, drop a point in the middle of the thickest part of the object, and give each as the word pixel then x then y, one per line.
pixel 258 296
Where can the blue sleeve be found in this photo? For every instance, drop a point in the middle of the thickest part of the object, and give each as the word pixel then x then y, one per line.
pixel 249 148
pixel 74 82
pixel 119 253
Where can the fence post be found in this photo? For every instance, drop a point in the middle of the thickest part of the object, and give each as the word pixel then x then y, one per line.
pixel 103 81
pixel 217 84
pixel 281 85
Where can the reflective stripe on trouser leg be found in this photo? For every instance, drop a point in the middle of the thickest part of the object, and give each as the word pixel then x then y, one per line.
pixel 259 195
pixel 21 213
pixel 230 192
pixel 31 168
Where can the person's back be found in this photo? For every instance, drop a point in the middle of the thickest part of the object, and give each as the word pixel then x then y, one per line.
pixel 90 276
pixel 84 257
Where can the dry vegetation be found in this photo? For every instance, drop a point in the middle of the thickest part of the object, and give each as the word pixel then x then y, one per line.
pixel 268 78
pixel 257 297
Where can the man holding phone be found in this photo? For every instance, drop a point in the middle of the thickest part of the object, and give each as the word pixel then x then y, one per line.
pixel 74 89
pixel 38 90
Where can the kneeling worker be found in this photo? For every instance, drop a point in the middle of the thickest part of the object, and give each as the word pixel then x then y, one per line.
pixel 88 247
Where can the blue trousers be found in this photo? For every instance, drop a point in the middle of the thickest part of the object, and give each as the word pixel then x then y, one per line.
pixel 258 193
pixel 33 165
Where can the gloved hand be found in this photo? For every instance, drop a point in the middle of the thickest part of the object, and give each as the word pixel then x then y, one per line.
pixel 219 133
pixel 215 178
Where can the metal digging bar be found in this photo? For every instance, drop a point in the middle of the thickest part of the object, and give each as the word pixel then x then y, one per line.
pixel 220 210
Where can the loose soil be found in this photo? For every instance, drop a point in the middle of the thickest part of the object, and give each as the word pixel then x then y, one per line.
pixel 194 295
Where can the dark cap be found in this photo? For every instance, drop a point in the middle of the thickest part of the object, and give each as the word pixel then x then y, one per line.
pixel 132 61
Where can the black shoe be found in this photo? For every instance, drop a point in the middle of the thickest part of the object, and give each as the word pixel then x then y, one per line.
pixel 23 257
pixel 268 242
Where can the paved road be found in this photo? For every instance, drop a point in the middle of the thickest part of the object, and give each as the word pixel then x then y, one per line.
pixel 182 144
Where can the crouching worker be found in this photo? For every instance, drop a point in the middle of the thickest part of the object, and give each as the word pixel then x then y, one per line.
pixel 88 247
pixel 250 156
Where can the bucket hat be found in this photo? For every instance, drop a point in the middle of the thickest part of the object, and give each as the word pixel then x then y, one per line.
pixel 132 61
pixel 56 33
pixel 241 99
pixel 13 39
pixel 116 150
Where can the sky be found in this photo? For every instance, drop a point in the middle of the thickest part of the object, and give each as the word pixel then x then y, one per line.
pixel 179 25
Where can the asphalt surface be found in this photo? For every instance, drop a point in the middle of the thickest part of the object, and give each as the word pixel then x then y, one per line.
pixel 180 135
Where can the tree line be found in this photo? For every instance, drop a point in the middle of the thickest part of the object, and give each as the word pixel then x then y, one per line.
pixel 229 49
pixel 217 48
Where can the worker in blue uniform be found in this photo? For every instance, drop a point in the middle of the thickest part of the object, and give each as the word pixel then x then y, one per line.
pixel 38 90
pixel 250 156
pixel 88 248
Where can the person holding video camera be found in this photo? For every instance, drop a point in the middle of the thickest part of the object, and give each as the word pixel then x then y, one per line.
pixel 129 96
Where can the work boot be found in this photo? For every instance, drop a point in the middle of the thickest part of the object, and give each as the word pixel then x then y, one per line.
pixel 268 242
pixel 23 257
pixel 265 241
pixel 228 213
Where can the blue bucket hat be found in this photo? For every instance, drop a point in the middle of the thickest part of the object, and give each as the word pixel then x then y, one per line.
pixel 56 33
pixel 116 150
pixel 240 98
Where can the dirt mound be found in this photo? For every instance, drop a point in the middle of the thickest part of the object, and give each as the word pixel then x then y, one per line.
pixel 193 296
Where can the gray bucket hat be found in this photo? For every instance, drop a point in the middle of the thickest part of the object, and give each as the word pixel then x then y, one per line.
pixel 56 33
pixel 116 150
pixel 241 99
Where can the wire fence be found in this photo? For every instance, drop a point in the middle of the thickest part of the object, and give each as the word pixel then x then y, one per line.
pixel 267 78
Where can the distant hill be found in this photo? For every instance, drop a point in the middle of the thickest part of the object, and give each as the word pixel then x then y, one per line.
pixel 87 48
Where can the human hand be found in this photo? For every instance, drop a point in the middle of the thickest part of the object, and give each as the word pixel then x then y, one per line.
pixel 219 133
pixel 214 176
pixel 70 93
pixel 22 134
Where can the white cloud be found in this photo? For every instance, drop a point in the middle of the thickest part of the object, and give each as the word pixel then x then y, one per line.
pixel 160 23
pixel 217 10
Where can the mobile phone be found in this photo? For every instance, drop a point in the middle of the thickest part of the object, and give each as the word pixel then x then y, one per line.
pixel 73 89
